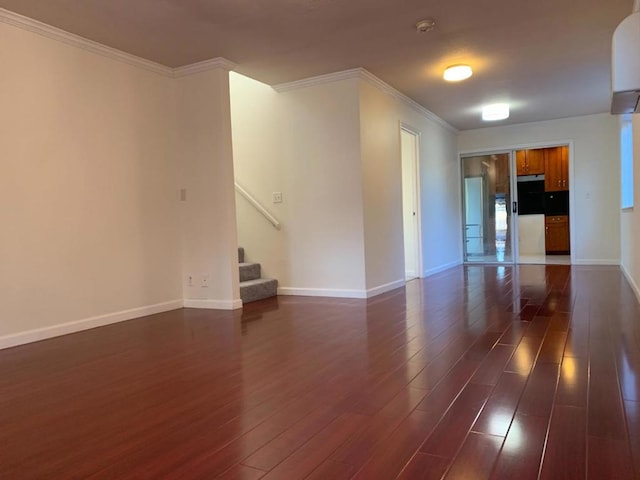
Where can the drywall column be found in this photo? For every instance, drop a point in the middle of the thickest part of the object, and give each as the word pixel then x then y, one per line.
pixel 630 220
pixel 382 190
pixel 208 211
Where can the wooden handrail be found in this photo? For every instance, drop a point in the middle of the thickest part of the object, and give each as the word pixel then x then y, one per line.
pixel 258 206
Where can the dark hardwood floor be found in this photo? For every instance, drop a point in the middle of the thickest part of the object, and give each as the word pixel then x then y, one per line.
pixel 475 373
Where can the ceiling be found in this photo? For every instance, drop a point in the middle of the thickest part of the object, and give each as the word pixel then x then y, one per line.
pixel 548 58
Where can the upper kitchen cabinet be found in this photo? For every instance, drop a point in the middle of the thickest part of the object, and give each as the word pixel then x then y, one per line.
pixel 556 169
pixel 530 162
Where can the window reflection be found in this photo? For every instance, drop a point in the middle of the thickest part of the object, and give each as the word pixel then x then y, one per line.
pixel 629 380
pixel 501 273
pixel 523 358
pixel 515 439
pixel 499 423
pixel 569 371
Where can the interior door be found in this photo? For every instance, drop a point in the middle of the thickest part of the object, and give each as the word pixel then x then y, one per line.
pixel 410 202
pixel 487 208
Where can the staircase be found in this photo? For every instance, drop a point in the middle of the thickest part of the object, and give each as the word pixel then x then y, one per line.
pixel 252 286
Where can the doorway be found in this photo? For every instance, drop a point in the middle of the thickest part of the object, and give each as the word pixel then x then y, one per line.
pixel 515 205
pixel 543 204
pixel 410 154
pixel 486 194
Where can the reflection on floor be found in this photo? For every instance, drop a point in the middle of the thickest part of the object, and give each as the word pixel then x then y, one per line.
pixel 522 259
pixel 478 372
pixel 545 259
pixel 499 257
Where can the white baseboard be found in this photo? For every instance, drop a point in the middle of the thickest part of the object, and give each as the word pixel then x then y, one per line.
pixel 596 262
pixel 441 268
pixel 213 304
pixel 322 292
pixel 372 292
pixel 38 334
pixel 632 282
pixel 337 293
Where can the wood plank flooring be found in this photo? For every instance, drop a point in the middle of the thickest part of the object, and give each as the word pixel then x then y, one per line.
pixel 480 372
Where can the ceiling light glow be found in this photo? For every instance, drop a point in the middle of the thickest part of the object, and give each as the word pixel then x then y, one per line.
pixel 496 111
pixel 456 73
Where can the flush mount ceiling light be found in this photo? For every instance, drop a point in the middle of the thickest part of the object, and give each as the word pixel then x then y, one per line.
pixel 457 73
pixel 495 111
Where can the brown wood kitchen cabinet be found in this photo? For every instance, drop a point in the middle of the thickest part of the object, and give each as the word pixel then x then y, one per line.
pixel 556 232
pixel 556 176
pixel 530 162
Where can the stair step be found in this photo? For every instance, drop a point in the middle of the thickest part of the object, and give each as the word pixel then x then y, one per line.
pixel 240 255
pixel 253 290
pixel 249 271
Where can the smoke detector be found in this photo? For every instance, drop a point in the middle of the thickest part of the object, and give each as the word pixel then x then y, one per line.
pixel 426 25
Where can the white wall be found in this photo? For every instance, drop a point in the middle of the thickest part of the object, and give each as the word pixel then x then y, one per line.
pixel 208 216
pixel 305 144
pixel 594 175
pixel 381 115
pixel 333 150
pixel 321 135
pixel 382 187
pixel 94 152
pixel 87 185
pixel 630 219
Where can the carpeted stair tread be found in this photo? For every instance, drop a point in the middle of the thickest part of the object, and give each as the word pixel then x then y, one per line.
pixel 249 271
pixel 252 290
pixel 252 286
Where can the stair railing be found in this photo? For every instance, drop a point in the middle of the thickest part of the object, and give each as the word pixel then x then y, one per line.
pixel 258 206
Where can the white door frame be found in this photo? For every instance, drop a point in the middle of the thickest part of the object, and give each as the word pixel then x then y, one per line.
pixel 572 187
pixel 419 268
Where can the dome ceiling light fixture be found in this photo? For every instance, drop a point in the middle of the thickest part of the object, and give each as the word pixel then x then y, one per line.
pixel 425 25
pixel 457 73
pixel 495 111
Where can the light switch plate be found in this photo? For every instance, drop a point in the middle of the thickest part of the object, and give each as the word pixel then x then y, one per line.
pixel 277 197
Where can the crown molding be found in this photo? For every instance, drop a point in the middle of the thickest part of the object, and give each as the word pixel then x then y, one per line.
pixel 367 76
pixel 34 26
pixel 204 66
pixel 388 89
pixel 318 80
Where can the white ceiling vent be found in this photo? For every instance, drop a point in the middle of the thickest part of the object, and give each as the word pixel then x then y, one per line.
pixel 625 72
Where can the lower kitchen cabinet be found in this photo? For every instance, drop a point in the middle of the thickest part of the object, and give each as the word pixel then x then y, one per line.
pixel 557 234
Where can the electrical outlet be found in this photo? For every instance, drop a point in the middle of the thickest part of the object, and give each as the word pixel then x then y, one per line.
pixel 277 197
pixel 205 280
